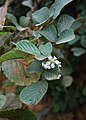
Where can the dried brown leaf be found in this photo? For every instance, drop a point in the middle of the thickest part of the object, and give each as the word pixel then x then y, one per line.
pixel 3 13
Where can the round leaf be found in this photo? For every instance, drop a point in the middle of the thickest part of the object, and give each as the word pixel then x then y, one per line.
pixel 46 49
pixel 28 47
pixel 15 72
pixel 66 68
pixel 83 41
pixel 34 67
pixel 24 21
pixel 50 33
pixel 27 3
pixel 12 102
pixel 51 74
pixel 64 22
pixel 11 55
pixel 78 51
pixel 41 16
pixel 31 95
pixel 2 101
pixel 66 36
pixel 57 7
pixel 67 81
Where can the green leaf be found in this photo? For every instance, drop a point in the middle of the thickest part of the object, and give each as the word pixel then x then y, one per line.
pixel 76 25
pixel 11 55
pixel 12 102
pixel 76 39
pixel 41 57
pixel 24 21
pixel 67 81
pixel 50 33
pixel 83 41
pixel 15 72
pixel 13 19
pixel 31 95
pixel 34 67
pixel 64 22
pixel 18 114
pixel 2 33
pixel 66 68
pixel 20 28
pixel 66 36
pixel 41 16
pixel 78 51
pixel 36 34
pixel 51 74
pixel 4 37
pixel 46 49
pixel 57 7
pixel 27 3
pixel 28 47
pixel 8 83
pixel 2 101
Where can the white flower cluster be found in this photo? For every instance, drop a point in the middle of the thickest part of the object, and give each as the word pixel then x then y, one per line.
pixel 51 63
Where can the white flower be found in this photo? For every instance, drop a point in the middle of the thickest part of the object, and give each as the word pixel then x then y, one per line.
pixel 45 66
pixel 57 62
pixel 50 57
pixel 48 67
pixel 48 63
pixel 59 65
pixel 55 58
pixel 59 76
pixel 52 65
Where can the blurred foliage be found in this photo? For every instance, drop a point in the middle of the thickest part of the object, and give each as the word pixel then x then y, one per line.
pixel 72 55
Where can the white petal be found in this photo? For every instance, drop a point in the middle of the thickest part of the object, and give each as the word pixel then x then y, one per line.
pixel 48 67
pixel 48 63
pixel 52 65
pixel 57 62
pixel 59 65
pixel 50 57
pixel 59 76
pixel 45 66
pixel 55 58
